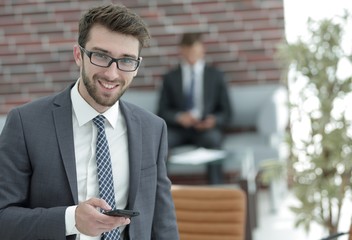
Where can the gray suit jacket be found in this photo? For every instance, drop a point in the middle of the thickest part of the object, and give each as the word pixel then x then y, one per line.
pixel 216 100
pixel 38 172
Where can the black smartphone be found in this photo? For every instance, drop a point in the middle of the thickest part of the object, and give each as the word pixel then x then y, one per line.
pixel 122 213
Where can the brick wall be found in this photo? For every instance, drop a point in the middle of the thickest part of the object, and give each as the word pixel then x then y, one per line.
pixel 36 39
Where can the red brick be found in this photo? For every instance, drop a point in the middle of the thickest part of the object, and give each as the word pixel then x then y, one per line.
pixel 36 46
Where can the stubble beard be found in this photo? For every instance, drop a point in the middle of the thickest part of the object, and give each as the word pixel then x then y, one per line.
pixel 103 100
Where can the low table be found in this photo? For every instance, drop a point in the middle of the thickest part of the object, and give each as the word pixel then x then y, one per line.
pixel 212 159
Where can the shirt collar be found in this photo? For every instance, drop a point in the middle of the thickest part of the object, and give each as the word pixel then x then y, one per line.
pixel 85 113
pixel 197 67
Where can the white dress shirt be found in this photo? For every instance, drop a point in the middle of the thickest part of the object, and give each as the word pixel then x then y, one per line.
pixel 85 136
pixel 198 69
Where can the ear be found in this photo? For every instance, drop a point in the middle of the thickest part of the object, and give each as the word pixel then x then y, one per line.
pixel 140 62
pixel 77 55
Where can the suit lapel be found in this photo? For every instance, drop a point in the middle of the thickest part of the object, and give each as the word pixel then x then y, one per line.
pixel 178 81
pixel 178 88
pixel 63 123
pixel 62 114
pixel 134 135
pixel 207 90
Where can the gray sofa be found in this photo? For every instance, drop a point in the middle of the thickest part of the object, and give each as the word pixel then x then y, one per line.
pixel 2 122
pixel 260 119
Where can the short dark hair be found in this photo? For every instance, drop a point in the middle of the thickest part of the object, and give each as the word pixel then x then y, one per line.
pixel 116 18
pixel 188 39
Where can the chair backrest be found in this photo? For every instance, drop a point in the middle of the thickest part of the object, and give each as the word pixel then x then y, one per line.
pixel 2 122
pixel 144 98
pixel 210 213
pixel 260 106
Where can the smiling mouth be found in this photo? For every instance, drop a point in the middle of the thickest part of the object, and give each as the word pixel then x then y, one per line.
pixel 107 85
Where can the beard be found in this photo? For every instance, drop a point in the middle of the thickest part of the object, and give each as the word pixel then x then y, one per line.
pixel 106 100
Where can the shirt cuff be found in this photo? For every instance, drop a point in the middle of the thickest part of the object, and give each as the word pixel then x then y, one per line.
pixel 70 221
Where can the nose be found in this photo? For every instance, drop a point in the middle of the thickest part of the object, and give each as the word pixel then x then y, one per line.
pixel 112 71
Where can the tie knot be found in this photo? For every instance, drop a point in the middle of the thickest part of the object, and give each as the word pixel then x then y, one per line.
pixel 99 121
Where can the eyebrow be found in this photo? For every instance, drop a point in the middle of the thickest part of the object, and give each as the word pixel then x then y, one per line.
pixel 109 53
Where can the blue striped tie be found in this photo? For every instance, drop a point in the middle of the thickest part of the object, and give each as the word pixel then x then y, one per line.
pixel 105 178
pixel 190 92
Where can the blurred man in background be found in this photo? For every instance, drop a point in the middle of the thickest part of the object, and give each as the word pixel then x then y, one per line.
pixel 194 100
pixel 195 103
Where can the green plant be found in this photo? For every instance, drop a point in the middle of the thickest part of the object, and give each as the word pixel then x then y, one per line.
pixel 321 155
pixel 272 170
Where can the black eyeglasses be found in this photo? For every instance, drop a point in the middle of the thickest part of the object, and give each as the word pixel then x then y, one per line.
pixel 103 60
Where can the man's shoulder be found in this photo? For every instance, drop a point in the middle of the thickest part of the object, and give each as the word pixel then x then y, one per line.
pixel 131 108
pixel 173 71
pixel 43 101
pixel 212 68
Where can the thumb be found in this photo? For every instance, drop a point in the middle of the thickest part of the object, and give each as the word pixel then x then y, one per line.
pixel 99 203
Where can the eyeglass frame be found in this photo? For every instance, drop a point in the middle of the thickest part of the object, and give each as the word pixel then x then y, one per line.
pixel 90 53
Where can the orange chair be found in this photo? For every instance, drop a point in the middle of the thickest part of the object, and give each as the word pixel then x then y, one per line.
pixel 210 213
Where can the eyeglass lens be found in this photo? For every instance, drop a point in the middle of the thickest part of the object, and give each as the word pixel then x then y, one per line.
pixel 103 60
pixel 124 64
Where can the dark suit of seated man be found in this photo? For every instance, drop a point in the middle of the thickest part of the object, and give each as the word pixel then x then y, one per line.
pixel 194 100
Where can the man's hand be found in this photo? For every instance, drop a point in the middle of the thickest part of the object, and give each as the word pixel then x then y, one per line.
pixel 186 120
pixel 91 222
pixel 208 123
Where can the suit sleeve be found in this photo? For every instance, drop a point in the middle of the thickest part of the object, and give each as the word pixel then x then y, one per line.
pixel 223 110
pixel 164 223
pixel 171 98
pixel 19 220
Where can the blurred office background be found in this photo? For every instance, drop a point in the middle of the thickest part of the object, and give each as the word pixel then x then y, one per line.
pixel 36 39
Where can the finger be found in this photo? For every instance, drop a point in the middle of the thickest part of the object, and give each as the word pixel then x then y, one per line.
pixel 100 203
pixel 110 222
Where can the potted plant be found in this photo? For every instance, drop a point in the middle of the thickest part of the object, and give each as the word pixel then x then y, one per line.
pixel 320 135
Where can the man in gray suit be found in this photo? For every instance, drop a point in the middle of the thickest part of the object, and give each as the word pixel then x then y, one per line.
pixel 48 173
